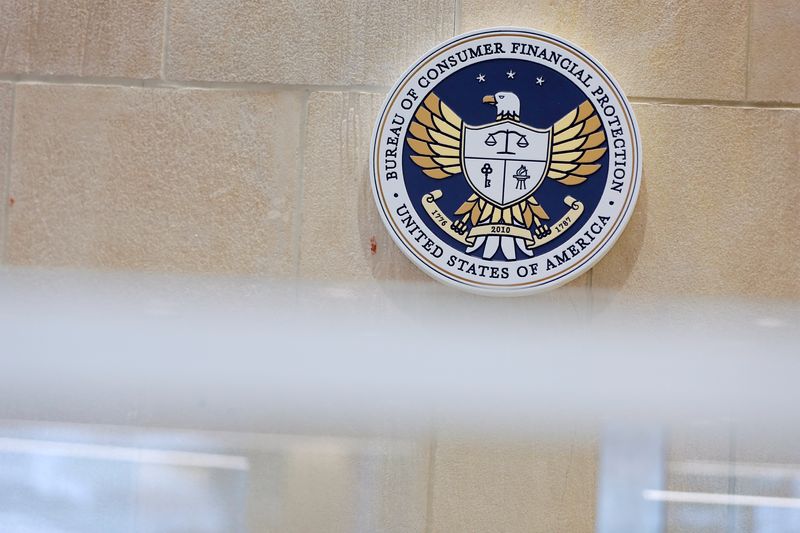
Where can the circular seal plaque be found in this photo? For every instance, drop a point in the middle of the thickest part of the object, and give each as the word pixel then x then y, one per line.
pixel 506 161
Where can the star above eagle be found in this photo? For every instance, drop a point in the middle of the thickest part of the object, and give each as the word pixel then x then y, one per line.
pixel 576 143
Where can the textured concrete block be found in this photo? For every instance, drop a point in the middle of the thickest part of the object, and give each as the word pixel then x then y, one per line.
pixel 546 487
pixel 306 42
pixel 653 48
pixel 154 179
pixel 6 110
pixel 342 236
pixel 114 38
pixel 718 210
pixel 774 51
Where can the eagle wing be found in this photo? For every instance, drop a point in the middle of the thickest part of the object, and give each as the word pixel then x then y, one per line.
pixel 577 140
pixel 435 138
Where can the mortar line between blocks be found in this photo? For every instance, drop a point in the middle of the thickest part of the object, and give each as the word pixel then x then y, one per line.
pixel 27 79
pixel 299 188
pixel 165 41
pixel 747 49
pixel 743 104
pixel 7 181
pixel 33 79
pixel 456 17
pixel 431 480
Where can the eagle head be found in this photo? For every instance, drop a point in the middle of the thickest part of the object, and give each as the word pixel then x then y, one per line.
pixel 507 104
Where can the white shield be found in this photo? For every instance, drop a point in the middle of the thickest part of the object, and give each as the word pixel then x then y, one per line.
pixel 504 161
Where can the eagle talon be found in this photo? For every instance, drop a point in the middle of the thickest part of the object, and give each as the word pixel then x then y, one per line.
pixel 459 226
pixel 542 231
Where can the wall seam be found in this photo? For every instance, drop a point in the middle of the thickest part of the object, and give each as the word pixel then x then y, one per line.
pixel 431 479
pixel 747 50
pixel 85 37
pixel 456 17
pixel 299 186
pixel 165 41
pixel 713 103
pixel 168 84
pixel 25 79
pixel 7 182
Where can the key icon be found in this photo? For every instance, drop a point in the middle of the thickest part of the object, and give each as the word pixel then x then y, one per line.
pixel 486 169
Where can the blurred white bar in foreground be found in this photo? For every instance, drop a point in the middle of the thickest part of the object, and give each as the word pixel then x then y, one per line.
pixel 242 354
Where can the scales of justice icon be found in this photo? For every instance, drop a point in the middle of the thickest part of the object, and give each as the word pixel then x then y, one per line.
pixel 521 174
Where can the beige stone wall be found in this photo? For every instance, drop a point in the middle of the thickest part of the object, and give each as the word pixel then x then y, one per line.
pixel 193 136
pixel 231 137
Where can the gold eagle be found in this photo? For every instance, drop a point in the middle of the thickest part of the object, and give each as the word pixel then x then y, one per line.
pixel 435 136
